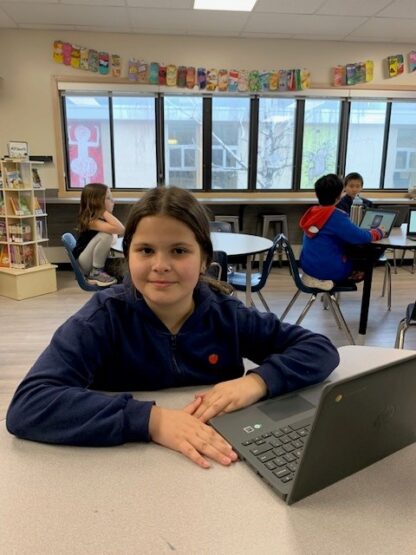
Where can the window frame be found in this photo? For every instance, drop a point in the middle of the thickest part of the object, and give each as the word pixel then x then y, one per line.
pixel 91 88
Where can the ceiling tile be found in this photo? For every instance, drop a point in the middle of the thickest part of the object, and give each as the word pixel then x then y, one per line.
pixel 287 6
pixel 352 7
pixel 397 30
pixel 298 24
pixel 60 13
pixel 171 4
pixel 6 21
pixel 400 8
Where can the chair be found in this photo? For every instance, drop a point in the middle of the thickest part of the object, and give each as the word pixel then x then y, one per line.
pixel 258 279
pixel 69 243
pixel 404 324
pixel 234 221
pixel 328 296
pixel 401 217
pixel 276 223
pixel 218 268
pixel 221 227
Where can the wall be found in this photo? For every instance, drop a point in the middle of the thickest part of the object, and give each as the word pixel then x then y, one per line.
pixel 26 68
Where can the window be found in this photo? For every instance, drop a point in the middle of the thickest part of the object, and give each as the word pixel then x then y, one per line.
pixel 320 139
pixel 230 142
pixel 133 141
pixel 88 140
pixel 183 141
pixel 276 143
pixel 365 140
pixel 401 150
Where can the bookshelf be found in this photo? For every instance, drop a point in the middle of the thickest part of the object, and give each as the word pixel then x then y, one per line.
pixel 24 269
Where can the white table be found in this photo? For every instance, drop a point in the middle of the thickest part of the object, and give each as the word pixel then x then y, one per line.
pixel 144 499
pixel 234 244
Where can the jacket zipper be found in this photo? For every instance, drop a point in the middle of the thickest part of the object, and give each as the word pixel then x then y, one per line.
pixel 175 363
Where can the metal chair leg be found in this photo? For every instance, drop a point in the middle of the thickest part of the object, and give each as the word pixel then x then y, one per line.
pixel 401 330
pixel 345 327
pixel 334 314
pixel 387 284
pixel 306 309
pixel 263 300
pixel 289 306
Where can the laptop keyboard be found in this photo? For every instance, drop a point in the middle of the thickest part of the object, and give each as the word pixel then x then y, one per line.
pixel 280 449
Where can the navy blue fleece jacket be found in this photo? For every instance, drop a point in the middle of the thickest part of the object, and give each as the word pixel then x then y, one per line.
pixel 116 343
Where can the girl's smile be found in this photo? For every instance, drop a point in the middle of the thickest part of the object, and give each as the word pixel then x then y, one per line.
pixel 165 263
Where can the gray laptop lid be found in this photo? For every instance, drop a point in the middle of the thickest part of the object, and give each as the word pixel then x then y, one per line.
pixel 357 421
pixel 411 226
pixel 374 217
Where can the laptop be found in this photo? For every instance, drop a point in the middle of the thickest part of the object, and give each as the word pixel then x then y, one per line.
pixel 375 217
pixel 302 442
pixel 411 226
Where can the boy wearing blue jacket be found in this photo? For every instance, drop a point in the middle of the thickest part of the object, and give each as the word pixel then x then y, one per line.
pixel 167 326
pixel 327 232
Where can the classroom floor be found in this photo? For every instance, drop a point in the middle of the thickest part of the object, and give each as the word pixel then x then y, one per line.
pixel 27 326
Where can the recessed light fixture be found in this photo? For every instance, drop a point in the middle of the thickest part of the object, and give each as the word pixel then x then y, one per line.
pixel 225 5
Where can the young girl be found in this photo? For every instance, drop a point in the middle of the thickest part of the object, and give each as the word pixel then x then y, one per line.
pixel 97 227
pixel 165 327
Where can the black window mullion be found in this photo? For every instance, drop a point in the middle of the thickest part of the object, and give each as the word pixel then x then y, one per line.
pixel 343 136
pixel 66 149
pixel 298 147
pixel 160 139
pixel 253 144
pixel 385 144
pixel 207 143
pixel 111 121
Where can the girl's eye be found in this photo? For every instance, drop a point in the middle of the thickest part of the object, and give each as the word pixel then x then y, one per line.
pixel 145 250
pixel 180 250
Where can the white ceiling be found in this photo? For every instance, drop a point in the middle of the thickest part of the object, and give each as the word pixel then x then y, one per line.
pixel 344 20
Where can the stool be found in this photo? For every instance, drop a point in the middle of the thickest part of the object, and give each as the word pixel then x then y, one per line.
pixel 274 220
pixel 233 220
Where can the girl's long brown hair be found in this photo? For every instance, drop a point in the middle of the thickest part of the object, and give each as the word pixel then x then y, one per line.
pixel 92 204
pixel 183 206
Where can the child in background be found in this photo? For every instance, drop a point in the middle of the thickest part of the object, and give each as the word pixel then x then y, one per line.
pixel 353 185
pixel 327 232
pixel 98 229
pixel 166 326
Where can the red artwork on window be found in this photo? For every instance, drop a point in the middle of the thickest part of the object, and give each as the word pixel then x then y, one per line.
pixel 85 155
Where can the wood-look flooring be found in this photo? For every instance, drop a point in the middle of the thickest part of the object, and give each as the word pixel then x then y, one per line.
pixel 27 326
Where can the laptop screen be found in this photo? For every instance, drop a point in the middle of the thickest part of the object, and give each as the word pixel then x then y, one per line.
pixel 376 218
pixel 411 228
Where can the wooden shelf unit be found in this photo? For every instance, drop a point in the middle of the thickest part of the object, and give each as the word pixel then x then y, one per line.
pixel 24 269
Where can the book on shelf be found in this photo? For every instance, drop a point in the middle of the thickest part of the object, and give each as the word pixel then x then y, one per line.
pixel 37 183
pixel 14 179
pixel 25 205
pixel 4 256
pixel 37 209
pixel 15 204
pixel 42 259
pixel 22 256
pixel 39 229
pixel 2 205
pixel 3 231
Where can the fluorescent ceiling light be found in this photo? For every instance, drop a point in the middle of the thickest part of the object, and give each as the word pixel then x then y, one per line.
pixel 225 5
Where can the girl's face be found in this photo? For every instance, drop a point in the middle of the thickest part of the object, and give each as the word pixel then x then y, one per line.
pixel 109 202
pixel 165 261
pixel 353 187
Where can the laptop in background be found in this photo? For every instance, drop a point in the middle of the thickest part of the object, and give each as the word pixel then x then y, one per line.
pixel 375 217
pixel 411 226
pixel 302 442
